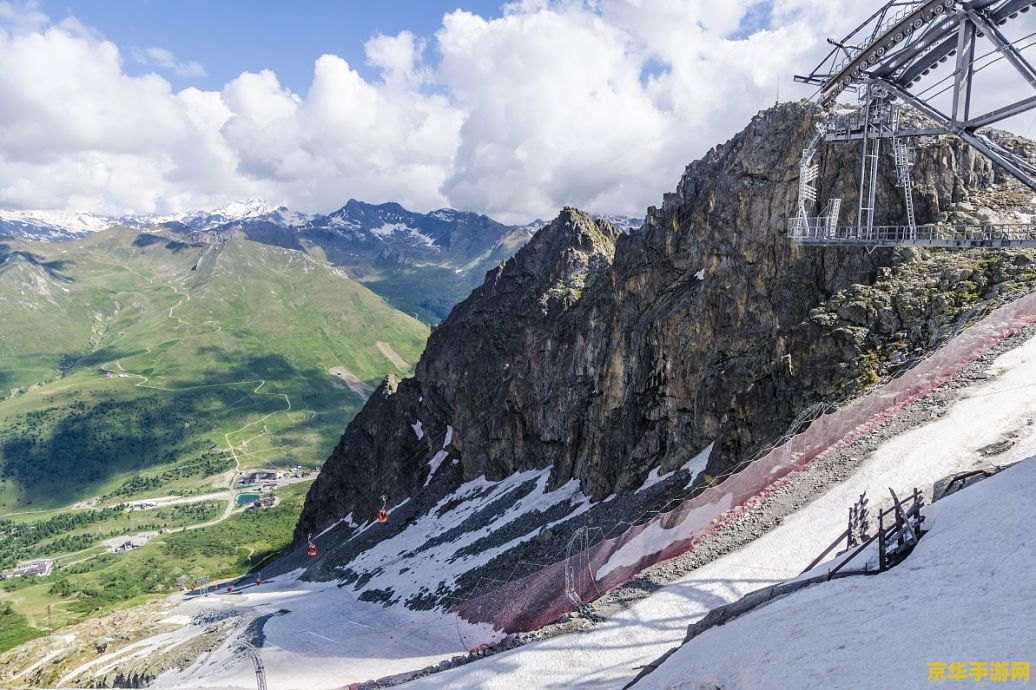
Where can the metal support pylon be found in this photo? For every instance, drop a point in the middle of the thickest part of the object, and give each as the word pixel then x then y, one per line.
pixel 883 59
pixel 879 120
pixel 870 148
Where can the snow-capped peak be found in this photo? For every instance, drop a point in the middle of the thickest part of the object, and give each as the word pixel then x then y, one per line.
pixel 388 222
pixel 446 214
pixel 233 212
pixel 63 225
pixel 624 224
pixel 248 208
pixel 62 222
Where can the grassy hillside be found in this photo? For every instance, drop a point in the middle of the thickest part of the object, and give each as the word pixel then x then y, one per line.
pixel 141 363
pixel 94 582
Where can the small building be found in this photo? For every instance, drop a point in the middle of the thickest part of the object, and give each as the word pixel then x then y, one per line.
pixel 259 476
pixel 264 503
pixel 128 543
pixel 38 568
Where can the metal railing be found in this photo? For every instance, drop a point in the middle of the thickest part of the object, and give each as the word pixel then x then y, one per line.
pixel 819 230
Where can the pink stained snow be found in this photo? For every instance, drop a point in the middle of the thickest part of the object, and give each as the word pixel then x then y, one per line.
pixel 610 656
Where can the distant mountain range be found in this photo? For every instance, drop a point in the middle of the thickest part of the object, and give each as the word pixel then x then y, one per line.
pixel 422 263
pixel 58 226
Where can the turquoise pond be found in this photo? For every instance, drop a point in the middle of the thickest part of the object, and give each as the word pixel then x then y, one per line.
pixel 247 498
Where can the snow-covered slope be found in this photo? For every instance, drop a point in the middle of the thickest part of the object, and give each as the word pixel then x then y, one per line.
pixel 611 655
pixel 322 635
pixel 964 596
pixel 318 636
pixel 977 556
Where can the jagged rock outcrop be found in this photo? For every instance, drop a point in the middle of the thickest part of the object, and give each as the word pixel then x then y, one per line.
pixel 603 355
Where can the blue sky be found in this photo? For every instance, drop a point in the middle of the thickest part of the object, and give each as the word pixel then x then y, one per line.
pixel 228 37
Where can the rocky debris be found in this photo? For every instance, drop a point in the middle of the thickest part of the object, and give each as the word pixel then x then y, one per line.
pixel 996 448
pixel 77 645
pixel 920 302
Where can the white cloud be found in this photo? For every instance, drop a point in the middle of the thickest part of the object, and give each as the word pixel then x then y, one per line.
pixel 21 19
pixel 160 57
pixel 596 103
pixel 398 58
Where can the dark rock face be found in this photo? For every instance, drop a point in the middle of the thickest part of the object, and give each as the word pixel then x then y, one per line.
pixel 603 355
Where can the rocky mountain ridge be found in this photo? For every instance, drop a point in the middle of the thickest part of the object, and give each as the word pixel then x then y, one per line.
pixel 604 355
pixel 422 263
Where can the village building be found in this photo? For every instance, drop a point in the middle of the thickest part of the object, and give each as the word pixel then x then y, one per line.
pixel 38 568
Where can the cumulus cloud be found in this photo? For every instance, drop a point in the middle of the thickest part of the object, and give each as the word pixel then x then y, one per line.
pixel 595 103
pixel 22 18
pixel 165 59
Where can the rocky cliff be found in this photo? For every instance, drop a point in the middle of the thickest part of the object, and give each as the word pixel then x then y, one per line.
pixel 604 355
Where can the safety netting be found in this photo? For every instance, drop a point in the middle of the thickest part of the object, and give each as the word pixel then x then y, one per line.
pixel 536 600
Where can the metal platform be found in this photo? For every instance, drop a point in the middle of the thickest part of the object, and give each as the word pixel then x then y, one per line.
pixel 882 60
pixel 819 232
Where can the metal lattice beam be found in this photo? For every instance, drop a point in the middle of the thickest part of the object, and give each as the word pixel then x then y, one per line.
pixel 894 49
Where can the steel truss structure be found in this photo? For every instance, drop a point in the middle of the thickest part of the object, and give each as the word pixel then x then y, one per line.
pixel 257 662
pixel 882 60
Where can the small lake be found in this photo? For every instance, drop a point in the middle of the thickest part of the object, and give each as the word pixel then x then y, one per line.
pixel 247 498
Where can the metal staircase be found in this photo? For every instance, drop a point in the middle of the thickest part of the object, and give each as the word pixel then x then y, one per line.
pixel 904 156
pixel 809 171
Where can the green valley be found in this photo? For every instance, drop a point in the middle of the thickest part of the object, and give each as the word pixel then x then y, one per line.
pixel 153 370
pixel 138 357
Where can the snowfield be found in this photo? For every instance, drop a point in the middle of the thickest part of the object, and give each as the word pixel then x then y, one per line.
pixel 956 599
pixel 963 596
pixel 611 655
pixel 322 635
pixel 326 638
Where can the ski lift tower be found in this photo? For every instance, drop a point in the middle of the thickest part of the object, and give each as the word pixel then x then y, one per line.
pixel 882 61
